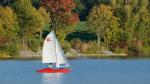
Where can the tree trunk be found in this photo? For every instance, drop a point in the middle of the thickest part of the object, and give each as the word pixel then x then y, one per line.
pixel 41 34
pixel 23 39
pixel 30 41
pixel 139 44
pixel 98 41
pixel 23 42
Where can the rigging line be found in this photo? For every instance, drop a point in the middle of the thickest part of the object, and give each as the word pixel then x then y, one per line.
pixel 55 46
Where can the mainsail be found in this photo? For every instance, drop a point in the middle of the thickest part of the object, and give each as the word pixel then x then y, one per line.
pixel 48 53
pixel 53 53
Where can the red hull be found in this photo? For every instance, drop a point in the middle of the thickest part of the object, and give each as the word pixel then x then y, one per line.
pixel 50 70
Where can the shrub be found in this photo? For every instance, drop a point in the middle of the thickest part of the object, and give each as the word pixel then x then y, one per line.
pixel 13 49
pixel 10 49
pixel 119 50
pixel 92 49
pixel 145 50
pixel 66 46
pixel 34 44
pixel 76 44
pixel 133 50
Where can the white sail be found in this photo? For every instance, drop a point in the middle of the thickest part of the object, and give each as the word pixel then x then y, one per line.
pixel 53 53
pixel 61 58
pixel 49 50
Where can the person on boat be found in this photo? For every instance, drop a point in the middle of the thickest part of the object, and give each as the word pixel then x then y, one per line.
pixel 50 65
pixel 61 68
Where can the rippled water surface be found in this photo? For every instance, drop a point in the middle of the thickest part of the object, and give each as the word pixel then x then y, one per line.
pixel 85 71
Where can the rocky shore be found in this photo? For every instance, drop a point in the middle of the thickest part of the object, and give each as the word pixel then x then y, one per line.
pixel 72 54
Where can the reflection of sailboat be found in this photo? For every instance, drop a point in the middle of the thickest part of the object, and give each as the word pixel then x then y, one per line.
pixel 52 78
pixel 53 54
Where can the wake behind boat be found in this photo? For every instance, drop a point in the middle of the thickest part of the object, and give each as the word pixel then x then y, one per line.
pixel 53 55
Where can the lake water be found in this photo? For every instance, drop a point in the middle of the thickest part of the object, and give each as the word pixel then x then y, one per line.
pixel 85 71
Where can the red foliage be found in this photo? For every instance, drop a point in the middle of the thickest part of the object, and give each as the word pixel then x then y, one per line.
pixel 73 19
pixel 62 9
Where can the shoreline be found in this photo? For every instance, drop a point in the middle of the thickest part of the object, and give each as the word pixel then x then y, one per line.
pixel 106 55
pixel 94 56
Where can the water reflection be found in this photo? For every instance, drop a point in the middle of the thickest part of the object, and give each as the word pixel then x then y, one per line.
pixel 52 78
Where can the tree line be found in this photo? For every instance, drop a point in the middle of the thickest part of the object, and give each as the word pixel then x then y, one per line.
pixel 122 26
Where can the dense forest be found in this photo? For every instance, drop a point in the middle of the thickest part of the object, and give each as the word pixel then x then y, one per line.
pixel 87 26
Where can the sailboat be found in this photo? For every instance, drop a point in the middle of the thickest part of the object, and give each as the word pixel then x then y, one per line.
pixel 52 53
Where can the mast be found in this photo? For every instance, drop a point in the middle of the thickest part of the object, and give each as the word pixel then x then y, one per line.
pixel 55 43
pixel 54 30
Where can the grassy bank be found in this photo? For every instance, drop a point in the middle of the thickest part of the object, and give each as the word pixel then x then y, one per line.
pixel 90 56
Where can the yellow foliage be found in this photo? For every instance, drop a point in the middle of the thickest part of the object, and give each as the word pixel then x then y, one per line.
pixel 8 23
pixel 44 16
pixel 103 22
pixel 0 25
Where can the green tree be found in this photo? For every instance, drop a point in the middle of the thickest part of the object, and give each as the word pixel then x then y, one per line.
pixel 88 5
pixel 31 20
pixel 134 21
pixel 0 25
pixel 46 20
pixel 8 23
pixel 80 7
pixel 103 22
pixel 6 2
pixel 142 24
pixel 36 3
pixel 124 10
pixel 8 31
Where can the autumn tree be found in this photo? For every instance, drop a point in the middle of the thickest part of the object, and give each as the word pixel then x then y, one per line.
pixel 31 20
pixel 0 24
pixel 88 5
pixel 62 17
pixel 8 31
pixel 142 24
pixel 8 23
pixel 134 21
pixel 103 22
pixel 61 12
pixel 124 11
pixel 46 20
